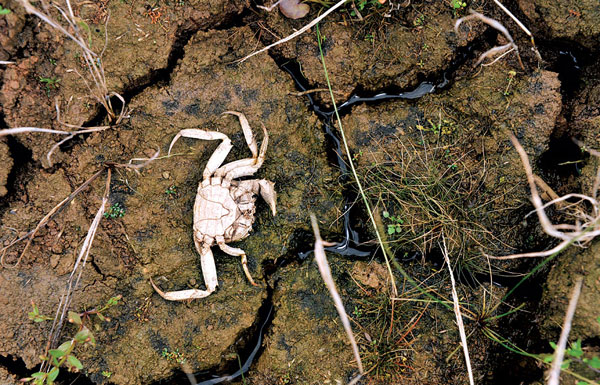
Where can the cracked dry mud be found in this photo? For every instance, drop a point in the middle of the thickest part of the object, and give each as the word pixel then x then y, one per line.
pixel 177 69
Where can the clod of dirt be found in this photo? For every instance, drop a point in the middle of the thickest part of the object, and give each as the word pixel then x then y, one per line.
pixel 573 264
pixel 148 337
pixel 7 378
pixel 7 162
pixel 573 20
pixel 375 54
pixel 306 343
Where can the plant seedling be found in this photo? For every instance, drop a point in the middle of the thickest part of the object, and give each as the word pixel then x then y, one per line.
pixel 50 83
pixel 4 11
pixel 396 226
pixel 115 211
pixel 63 355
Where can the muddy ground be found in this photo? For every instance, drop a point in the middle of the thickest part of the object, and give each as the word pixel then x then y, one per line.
pixel 427 129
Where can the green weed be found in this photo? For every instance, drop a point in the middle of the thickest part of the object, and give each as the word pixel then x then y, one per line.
pixel 49 83
pixel 64 355
pixel 173 356
pixel 114 211
pixel 4 11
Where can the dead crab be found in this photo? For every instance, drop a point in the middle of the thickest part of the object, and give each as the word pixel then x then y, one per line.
pixel 224 208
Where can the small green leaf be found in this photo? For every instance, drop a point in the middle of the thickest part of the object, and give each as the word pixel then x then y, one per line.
pixel 582 383
pixel 100 317
pixel 74 318
pixel 74 362
pixel 82 335
pixel 52 375
pixel 391 229
pixel 65 346
pixel 114 300
pixel 575 350
pixel 386 214
pixel 594 362
pixel 547 359
pixel 553 344
pixel 565 364
pixel 4 11
pixel 39 375
pixel 56 353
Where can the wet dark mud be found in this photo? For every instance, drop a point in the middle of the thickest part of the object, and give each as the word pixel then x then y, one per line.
pixel 414 110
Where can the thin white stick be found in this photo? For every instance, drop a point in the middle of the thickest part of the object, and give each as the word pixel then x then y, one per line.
pixel 457 313
pixel 559 354
pixel 326 274
pixel 509 13
pixel 297 33
pixel 21 130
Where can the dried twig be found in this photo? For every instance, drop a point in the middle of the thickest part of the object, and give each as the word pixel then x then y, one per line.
pixel 326 274
pixel 559 353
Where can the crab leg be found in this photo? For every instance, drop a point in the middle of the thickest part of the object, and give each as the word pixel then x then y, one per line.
pixel 239 253
pixel 209 271
pixel 217 157
pixel 245 167
pixel 247 131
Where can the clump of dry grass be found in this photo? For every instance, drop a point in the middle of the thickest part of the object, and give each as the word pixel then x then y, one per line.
pixel 426 190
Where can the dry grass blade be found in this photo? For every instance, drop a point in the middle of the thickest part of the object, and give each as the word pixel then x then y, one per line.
pixel 22 130
pixel 326 274
pixel 298 32
pixel 457 313
pixel 73 281
pixel 586 227
pixel 559 354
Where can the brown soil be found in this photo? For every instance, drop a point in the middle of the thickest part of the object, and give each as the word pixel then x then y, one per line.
pixel 176 64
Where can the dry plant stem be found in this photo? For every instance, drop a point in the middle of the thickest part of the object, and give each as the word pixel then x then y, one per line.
pixel 326 274
pixel 297 33
pixel 355 174
pixel 522 26
pixel 73 281
pixel 559 354
pixel 457 313
pixel 578 233
pixel 31 234
pixel 496 25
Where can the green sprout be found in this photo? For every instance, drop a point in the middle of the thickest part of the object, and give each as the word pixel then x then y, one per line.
pixel 115 211
pixel 50 83
pixel 457 5
pixel 173 356
pixel 4 11
pixel 171 191
pixel 396 226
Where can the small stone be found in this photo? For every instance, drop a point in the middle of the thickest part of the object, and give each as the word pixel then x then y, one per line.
pixel 192 282
pixel 166 175
pixel 209 327
pixel 54 260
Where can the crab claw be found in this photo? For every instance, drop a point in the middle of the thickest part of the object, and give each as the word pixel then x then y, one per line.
pixel 267 191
